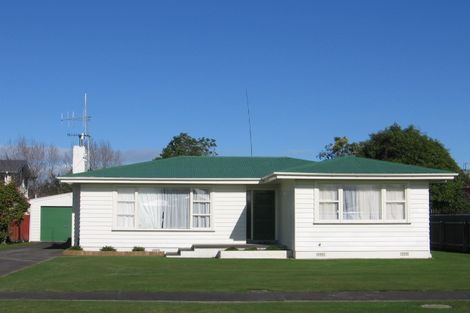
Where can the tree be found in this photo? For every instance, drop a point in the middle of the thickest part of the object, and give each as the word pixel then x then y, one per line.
pixel 340 147
pixel 409 146
pixel 13 205
pixel 102 155
pixel 184 144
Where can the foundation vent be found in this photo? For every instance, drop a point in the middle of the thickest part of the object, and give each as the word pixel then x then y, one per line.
pixel 321 254
pixel 404 253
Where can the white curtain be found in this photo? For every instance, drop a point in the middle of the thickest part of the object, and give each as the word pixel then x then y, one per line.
pixel 176 209
pixel 395 198
pixel 163 209
pixel 361 202
pixel 151 209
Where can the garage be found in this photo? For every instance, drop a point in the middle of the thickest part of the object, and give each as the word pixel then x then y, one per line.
pixel 57 210
pixel 56 224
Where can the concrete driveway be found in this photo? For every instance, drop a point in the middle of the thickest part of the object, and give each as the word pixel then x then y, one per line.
pixel 15 259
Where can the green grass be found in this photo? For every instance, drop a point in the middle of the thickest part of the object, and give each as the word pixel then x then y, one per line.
pixel 6 246
pixel 446 272
pixel 137 307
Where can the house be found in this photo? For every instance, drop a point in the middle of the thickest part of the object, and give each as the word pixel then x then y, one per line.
pixel 17 171
pixel 348 207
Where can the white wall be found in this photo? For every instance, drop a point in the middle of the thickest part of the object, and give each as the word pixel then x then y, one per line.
pixel 285 216
pixel 61 200
pixel 96 210
pixel 408 240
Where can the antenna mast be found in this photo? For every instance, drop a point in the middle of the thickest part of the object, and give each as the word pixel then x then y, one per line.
pixel 84 137
pixel 249 121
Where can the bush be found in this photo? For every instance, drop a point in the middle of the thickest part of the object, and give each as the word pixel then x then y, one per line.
pixel 251 249
pixel 231 249
pixel 138 249
pixel 108 248
pixel 76 248
pixel 273 247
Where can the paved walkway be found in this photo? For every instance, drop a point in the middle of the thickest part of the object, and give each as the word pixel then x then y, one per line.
pixel 237 297
pixel 14 259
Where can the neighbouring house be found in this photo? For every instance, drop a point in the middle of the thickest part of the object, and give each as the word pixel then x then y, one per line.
pixel 17 171
pixel 348 207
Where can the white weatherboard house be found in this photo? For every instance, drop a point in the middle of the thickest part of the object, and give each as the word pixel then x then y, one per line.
pixel 343 208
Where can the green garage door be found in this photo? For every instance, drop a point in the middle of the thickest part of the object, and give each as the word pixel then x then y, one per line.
pixel 56 223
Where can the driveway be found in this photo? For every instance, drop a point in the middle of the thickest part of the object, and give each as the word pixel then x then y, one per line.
pixel 12 260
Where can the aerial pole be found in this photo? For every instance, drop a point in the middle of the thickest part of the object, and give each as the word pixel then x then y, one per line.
pixel 249 121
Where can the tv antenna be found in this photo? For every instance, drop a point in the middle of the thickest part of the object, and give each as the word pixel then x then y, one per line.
pixel 249 121
pixel 84 137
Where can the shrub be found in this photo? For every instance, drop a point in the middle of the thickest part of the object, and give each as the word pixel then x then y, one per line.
pixel 76 248
pixel 108 248
pixel 138 249
pixel 273 247
pixel 251 249
pixel 231 249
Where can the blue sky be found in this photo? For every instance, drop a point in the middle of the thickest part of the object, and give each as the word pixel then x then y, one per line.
pixel 313 70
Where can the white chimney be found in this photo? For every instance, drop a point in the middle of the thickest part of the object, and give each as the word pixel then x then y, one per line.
pixel 79 159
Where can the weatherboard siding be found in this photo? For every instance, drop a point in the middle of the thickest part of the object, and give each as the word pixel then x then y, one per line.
pixel 285 216
pixel 96 222
pixel 408 240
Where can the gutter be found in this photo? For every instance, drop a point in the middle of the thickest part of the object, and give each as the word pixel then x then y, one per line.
pixel 358 176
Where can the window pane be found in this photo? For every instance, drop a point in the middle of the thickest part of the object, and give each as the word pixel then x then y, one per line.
pixel 201 195
pixel 126 195
pixel 150 211
pixel 125 221
pixel 328 211
pixel 328 193
pixel 201 221
pixel 176 208
pixel 395 193
pixel 125 208
pixel 201 208
pixel 361 203
pixel 395 211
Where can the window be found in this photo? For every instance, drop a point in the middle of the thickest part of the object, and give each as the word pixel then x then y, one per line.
pixel 395 203
pixel 329 203
pixel 162 208
pixel 125 212
pixel 201 208
pixel 361 203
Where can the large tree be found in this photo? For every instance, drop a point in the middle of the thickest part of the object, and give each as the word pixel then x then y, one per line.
pixel 13 205
pixel 409 146
pixel 184 144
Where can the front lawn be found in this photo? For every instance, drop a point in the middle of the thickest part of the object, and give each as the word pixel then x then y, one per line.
pixel 152 307
pixel 445 272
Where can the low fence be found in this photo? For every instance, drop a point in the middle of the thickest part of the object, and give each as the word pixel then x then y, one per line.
pixel 450 232
pixel 20 232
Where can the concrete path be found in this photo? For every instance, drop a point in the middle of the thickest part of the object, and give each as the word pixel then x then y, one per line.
pixel 15 259
pixel 237 297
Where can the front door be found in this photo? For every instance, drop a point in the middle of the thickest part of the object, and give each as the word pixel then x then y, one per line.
pixel 263 215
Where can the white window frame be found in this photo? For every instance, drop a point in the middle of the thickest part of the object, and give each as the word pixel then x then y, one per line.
pixel 383 204
pixel 136 205
pixel 199 214
pixel 116 214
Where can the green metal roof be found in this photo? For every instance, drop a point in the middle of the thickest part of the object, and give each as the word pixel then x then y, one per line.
pixel 194 167
pixel 356 165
